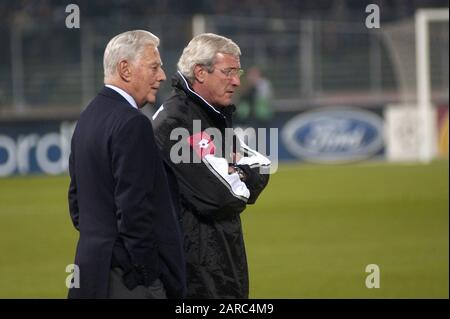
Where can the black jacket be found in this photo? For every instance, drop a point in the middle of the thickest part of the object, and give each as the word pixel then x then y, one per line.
pixel 119 200
pixel 211 199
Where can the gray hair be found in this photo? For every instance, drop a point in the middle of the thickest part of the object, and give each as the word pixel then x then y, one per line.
pixel 127 45
pixel 202 50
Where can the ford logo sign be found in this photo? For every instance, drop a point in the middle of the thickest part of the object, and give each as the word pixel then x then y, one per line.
pixel 334 135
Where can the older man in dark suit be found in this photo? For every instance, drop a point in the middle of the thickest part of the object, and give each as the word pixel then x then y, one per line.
pixel 120 199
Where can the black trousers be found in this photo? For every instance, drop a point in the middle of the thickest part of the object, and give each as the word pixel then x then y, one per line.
pixel 117 289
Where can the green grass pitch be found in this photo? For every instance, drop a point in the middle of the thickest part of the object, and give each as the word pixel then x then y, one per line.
pixel 310 235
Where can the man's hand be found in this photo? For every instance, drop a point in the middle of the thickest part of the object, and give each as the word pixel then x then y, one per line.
pixel 143 275
pixel 233 168
pixel 236 157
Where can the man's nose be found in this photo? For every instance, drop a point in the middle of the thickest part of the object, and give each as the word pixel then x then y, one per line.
pixel 235 80
pixel 162 76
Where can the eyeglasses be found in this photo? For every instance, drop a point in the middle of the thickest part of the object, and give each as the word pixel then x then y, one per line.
pixel 231 72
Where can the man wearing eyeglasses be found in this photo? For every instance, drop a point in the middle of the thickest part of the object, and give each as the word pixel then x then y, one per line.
pixel 220 175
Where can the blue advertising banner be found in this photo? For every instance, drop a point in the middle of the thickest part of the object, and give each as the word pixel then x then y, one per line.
pixel 333 135
pixel 35 147
pixel 327 135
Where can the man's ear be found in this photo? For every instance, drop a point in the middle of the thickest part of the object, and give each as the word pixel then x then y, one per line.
pixel 124 70
pixel 200 73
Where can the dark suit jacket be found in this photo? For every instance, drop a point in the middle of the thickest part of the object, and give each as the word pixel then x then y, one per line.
pixel 119 193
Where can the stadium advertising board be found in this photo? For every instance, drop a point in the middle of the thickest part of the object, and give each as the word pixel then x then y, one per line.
pixel 443 119
pixel 328 135
pixel 334 135
pixel 34 147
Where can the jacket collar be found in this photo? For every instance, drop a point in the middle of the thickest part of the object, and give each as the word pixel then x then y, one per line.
pixel 124 94
pixel 180 82
pixel 106 91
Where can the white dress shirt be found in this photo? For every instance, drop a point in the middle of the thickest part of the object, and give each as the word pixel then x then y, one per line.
pixel 125 95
